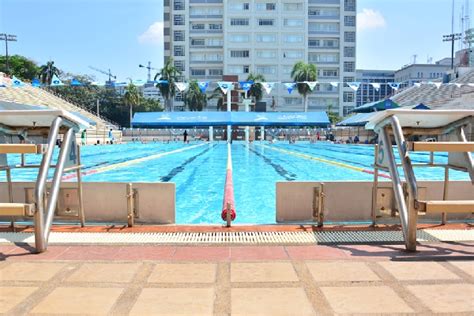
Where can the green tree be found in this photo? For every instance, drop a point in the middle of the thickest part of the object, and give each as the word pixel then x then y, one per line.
pixel 256 90
pixel 333 116
pixel 168 90
pixel 19 66
pixel 304 72
pixel 47 71
pixel 194 99
pixel 217 93
pixel 131 98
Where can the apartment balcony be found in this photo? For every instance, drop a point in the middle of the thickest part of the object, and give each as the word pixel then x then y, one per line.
pixel 335 2
pixel 321 32
pixel 323 17
pixel 205 31
pixel 207 46
pixel 205 1
pixel 208 77
pixel 324 47
pixel 206 16
pixel 206 62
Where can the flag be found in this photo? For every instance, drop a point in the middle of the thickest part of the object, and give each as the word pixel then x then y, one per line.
pixel 417 84
pixel 311 84
pixel 36 83
pixel 75 82
pixel 290 86
pixel 354 85
pixel 437 84
pixel 376 86
pixel 203 85
pixel 56 82
pixel 17 82
pixel 246 85
pixel 268 86
pixel 225 86
pixel 334 84
pixel 181 86
pixel 459 85
pixel 394 85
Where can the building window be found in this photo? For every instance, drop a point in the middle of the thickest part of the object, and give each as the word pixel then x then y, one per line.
pixel 239 22
pixel 179 50
pixel 245 69
pixel 198 72
pixel 179 65
pixel 239 38
pixel 270 6
pixel 293 54
pixel 349 66
pixel 215 42
pixel 293 38
pixel 324 58
pixel 166 31
pixel 178 36
pixel 265 38
pixel 239 6
pixel 293 22
pixel 266 70
pixel 293 6
pixel 213 26
pixel 266 53
pixel 178 19
pixel 292 101
pixel 239 54
pixel 266 22
pixel 324 27
pixel 349 37
pixel 349 5
pixel 348 79
pixel 328 12
pixel 328 73
pixel 349 51
pixel 245 6
pixel 167 45
pixel 178 5
pixel 348 96
pixel 350 20
pixel 265 6
pixel 215 72
pixel 198 42
pixel 199 26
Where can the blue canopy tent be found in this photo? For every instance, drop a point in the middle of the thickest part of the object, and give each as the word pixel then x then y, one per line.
pixel 190 119
pixel 360 119
pixel 376 106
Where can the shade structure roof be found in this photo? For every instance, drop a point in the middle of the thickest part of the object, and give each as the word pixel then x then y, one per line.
pixel 376 106
pixel 189 119
pixel 360 119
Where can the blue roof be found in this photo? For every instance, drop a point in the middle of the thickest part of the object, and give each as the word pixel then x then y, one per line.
pixel 183 119
pixel 360 119
pixel 376 106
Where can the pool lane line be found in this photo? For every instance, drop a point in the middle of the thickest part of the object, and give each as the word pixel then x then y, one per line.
pixel 330 162
pixel 176 170
pixel 130 162
pixel 278 168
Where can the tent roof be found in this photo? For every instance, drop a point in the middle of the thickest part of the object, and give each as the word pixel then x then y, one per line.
pixel 360 119
pixel 376 106
pixel 186 119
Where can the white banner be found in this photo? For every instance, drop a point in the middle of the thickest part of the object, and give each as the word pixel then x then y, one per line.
pixel 376 86
pixel 334 84
pixel 268 86
pixel 311 84
pixel 354 85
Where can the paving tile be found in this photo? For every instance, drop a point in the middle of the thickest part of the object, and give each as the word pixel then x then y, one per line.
pixel 184 273
pixel 315 252
pixel 466 266
pixel 170 301
pixel 145 253
pixel 202 253
pixel 341 271
pixel 10 296
pixel 30 271
pixel 78 300
pixel 365 299
pixel 262 272
pixel 258 253
pixel 90 253
pixel 270 301
pixel 418 270
pixel 445 298
pixel 104 272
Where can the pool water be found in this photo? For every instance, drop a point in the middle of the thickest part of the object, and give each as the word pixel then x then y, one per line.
pixel 198 170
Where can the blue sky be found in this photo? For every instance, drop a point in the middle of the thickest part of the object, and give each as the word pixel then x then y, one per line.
pixel 120 34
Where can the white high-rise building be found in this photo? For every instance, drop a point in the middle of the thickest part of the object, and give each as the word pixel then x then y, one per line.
pixel 211 38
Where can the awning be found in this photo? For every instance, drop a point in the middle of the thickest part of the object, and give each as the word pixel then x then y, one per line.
pixel 360 119
pixel 376 106
pixel 186 119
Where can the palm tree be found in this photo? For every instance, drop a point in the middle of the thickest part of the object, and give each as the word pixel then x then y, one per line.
pixel 195 99
pixel 47 72
pixel 304 72
pixel 168 90
pixel 131 98
pixel 256 91
pixel 217 93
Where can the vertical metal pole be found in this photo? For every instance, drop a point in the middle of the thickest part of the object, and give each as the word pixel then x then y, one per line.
pixel 40 242
pixel 444 216
pixel 82 218
pixel 375 186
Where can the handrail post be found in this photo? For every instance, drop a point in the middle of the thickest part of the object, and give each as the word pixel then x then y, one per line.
pixel 40 242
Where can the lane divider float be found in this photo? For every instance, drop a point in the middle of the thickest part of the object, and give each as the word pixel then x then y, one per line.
pixel 130 162
pixel 327 161
pixel 228 201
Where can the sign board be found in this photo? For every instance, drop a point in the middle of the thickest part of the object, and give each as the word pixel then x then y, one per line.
pixel 72 156
pixel 382 157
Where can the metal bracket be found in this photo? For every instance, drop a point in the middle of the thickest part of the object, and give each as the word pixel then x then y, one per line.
pixel 318 204
pixel 132 205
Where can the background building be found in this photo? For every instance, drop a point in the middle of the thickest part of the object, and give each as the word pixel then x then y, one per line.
pixel 367 93
pixel 211 38
pixel 410 74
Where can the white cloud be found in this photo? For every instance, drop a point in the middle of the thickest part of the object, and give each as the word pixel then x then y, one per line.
pixel 153 35
pixel 370 19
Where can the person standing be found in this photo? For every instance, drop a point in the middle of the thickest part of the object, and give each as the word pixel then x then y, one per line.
pixel 185 136
pixel 83 137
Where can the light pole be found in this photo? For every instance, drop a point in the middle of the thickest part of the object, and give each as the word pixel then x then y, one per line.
pixel 452 38
pixel 7 38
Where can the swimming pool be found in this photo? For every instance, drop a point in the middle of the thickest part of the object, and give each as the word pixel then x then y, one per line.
pixel 198 170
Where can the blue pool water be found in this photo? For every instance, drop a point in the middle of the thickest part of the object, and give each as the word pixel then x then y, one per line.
pixel 198 170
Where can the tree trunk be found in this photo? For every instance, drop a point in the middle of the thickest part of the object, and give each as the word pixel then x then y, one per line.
pixel 131 115
pixel 305 102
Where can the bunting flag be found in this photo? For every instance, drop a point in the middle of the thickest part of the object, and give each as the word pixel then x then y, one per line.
pixel 354 85
pixel 437 84
pixel 394 85
pixel 268 86
pixel 417 84
pixel 203 86
pixel 246 85
pixel 181 86
pixel 458 85
pixel 17 82
pixel 376 86
pixel 470 84
pixel 290 86
pixel 56 82
pixel 36 83
pixel 334 84
pixel 225 86
pixel 311 84
pixel 76 83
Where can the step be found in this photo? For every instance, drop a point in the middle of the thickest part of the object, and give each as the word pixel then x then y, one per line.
pixel 442 146
pixel 464 206
pixel 16 209
pixel 22 148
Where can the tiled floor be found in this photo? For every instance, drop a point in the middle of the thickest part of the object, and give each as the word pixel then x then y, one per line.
pixel 306 280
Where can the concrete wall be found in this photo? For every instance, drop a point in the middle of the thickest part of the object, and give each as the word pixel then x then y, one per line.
pixel 107 201
pixel 352 201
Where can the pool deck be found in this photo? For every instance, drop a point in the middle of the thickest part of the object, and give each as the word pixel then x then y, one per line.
pixel 238 280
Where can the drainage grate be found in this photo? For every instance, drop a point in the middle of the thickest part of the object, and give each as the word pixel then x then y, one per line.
pixel 325 237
